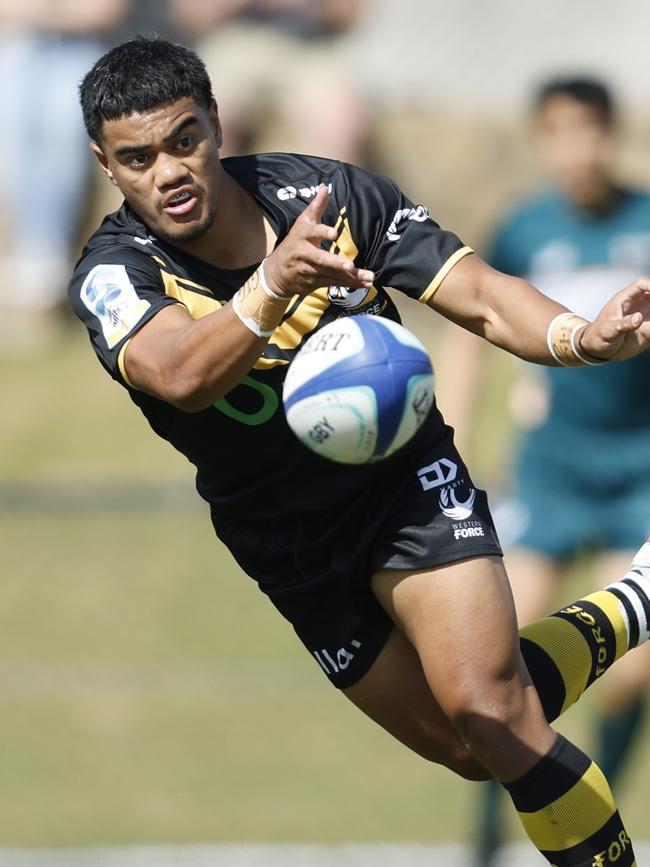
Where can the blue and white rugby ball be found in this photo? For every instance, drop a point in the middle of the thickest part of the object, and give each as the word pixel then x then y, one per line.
pixel 359 389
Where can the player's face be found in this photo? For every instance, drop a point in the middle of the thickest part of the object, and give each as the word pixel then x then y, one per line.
pixel 166 164
pixel 575 145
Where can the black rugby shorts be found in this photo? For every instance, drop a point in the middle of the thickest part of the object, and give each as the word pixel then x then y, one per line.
pixel 422 510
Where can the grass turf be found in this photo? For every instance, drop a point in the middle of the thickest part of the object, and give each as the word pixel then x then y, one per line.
pixel 148 692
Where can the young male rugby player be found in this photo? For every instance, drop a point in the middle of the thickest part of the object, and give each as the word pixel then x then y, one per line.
pixel 198 292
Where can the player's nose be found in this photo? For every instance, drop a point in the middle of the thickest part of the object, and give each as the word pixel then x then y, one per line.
pixel 169 172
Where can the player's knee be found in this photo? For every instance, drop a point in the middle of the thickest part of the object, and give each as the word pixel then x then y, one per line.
pixel 466 766
pixel 485 719
pixel 449 751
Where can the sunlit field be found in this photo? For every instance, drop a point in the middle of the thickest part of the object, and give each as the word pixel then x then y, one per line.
pixel 148 692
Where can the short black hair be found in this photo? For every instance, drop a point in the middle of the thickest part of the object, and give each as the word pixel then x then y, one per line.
pixel 583 89
pixel 139 75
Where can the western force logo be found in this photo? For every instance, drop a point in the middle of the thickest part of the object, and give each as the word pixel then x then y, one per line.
pixel 347 298
pixel 419 214
pixel 452 507
pixel 109 294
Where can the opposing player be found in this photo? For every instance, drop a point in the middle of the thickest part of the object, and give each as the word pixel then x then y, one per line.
pixel 196 295
pixel 583 235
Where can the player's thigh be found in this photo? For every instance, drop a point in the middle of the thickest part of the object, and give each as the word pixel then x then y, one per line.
pixel 395 694
pixel 460 618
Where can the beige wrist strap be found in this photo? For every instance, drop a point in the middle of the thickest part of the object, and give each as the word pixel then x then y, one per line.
pixel 563 344
pixel 257 306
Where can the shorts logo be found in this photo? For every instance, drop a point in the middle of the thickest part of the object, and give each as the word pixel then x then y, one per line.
pixel 455 509
pixel 109 294
pixel 438 473
pixel 332 664
pixel 468 530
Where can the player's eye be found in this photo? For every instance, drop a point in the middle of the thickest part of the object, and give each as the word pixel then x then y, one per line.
pixel 137 161
pixel 186 143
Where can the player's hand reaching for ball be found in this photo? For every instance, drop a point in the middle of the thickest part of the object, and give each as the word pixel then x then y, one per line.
pixel 299 264
pixel 622 328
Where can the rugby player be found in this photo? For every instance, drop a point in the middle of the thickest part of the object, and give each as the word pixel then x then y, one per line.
pixel 196 295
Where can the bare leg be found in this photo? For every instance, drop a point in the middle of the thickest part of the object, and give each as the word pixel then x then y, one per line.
pixel 460 620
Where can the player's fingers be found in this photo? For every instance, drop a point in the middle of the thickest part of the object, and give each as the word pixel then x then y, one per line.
pixel 639 290
pixel 321 232
pixel 333 265
pixel 630 322
pixel 612 329
pixel 316 208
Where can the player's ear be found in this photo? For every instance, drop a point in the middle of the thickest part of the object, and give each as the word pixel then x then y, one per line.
pixel 213 114
pixel 103 162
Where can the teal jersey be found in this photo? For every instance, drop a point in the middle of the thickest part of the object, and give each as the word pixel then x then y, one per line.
pixel 581 260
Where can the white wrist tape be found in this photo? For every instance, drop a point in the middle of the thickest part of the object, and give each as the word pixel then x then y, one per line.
pixel 257 306
pixel 561 339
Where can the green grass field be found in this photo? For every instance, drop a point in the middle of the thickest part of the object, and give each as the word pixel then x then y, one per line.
pixel 148 692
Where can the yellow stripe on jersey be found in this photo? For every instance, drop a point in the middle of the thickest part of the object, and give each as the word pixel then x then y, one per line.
pixel 197 305
pixel 121 363
pixel 344 244
pixel 434 285
pixel 291 332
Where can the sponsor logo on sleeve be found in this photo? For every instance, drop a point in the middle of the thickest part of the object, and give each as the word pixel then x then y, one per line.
pixel 419 214
pixel 109 294
pixel 289 192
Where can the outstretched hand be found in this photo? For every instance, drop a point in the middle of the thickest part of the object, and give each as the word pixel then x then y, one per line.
pixel 622 328
pixel 299 264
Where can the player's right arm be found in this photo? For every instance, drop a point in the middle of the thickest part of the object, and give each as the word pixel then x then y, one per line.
pixel 191 363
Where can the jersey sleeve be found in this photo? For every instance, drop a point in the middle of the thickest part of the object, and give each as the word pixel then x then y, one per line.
pixel 114 293
pixel 398 239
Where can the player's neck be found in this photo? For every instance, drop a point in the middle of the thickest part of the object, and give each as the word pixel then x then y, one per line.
pixel 239 235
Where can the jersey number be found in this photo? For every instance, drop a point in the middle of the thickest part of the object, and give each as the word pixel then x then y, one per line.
pixel 269 405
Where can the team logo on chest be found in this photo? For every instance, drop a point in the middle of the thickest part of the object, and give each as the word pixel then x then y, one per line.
pixel 356 300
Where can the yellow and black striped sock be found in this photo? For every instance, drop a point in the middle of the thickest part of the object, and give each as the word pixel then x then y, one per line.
pixel 568 811
pixel 566 652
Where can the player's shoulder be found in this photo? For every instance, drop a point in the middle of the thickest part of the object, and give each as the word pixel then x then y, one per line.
pixel 292 180
pixel 120 253
pixel 122 238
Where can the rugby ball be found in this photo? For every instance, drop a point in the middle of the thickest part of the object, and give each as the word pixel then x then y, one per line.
pixel 358 389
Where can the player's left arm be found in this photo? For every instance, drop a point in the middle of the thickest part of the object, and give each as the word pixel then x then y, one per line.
pixel 510 313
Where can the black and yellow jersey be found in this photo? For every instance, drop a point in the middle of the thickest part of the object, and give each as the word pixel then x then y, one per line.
pixel 249 464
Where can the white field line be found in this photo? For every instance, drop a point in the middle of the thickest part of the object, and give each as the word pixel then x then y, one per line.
pixel 274 855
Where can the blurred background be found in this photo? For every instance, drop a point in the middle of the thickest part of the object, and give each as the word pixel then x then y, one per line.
pixel 147 691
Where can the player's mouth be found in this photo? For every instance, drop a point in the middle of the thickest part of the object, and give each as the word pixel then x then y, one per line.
pixel 180 203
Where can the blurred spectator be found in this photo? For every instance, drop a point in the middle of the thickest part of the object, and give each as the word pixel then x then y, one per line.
pixel 45 48
pixel 583 473
pixel 280 59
